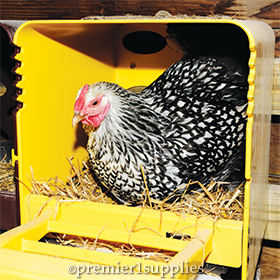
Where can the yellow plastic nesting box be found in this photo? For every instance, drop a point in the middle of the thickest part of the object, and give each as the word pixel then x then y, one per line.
pixel 57 58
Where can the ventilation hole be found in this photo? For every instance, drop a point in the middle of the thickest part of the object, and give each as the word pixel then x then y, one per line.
pixel 3 89
pixel 144 42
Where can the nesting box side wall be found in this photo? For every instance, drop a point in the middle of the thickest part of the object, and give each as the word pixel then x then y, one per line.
pixel 57 59
pixel 51 75
pixel 261 39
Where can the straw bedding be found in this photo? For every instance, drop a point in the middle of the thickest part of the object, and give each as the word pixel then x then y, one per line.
pixel 7 183
pixel 214 200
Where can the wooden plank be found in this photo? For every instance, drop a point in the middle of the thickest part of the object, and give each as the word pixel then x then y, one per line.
pixel 265 10
pixel 277 42
pixel 8 211
pixel 269 264
pixel 273 204
pixel 274 161
pixel 273 231
pixel 276 88
pixel 273 226
pixel 26 10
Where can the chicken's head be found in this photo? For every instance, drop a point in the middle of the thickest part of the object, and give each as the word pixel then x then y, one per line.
pixel 91 106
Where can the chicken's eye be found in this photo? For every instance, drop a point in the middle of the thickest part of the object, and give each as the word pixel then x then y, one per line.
pixel 94 103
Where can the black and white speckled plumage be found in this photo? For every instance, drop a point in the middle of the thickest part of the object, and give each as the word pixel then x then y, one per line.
pixel 188 124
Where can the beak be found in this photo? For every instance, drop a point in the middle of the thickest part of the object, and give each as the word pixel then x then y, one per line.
pixel 77 118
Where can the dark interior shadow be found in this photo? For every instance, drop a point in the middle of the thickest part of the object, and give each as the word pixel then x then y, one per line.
pixel 81 137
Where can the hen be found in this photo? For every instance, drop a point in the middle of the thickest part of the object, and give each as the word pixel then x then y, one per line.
pixel 189 124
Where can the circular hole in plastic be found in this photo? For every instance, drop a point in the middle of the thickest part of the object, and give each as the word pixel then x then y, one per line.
pixel 3 89
pixel 144 42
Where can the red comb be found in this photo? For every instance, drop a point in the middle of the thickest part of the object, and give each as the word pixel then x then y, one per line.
pixel 81 99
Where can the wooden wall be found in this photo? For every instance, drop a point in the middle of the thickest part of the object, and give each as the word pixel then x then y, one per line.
pixel 265 10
